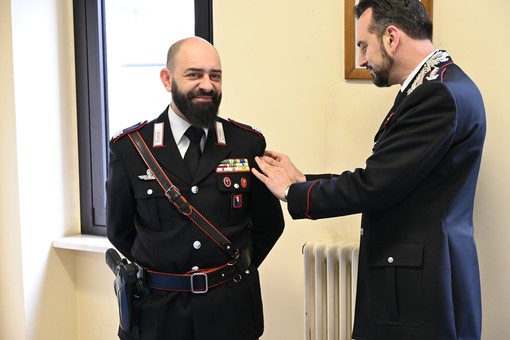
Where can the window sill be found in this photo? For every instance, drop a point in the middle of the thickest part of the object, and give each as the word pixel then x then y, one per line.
pixel 79 242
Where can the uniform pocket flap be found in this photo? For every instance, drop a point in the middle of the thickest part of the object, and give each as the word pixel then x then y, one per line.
pixel 406 254
pixel 148 189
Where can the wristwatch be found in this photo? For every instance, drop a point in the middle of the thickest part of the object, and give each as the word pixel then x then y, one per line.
pixel 286 193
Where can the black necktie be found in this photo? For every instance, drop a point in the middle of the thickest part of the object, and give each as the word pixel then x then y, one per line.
pixel 192 156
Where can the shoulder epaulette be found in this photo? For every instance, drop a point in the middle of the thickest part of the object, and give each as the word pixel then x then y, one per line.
pixel 249 128
pixel 130 129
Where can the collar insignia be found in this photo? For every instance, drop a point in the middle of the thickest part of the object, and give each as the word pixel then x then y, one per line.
pixel 430 70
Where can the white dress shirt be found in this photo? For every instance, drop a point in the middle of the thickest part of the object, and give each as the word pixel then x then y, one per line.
pixel 179 127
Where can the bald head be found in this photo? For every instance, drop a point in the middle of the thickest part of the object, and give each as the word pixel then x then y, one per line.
pixel 194 47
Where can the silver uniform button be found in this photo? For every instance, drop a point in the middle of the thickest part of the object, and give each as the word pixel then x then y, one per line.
pixel 197 244
pixel 149 192
pixel 236 186
pixel 361 232
pixel 390 259
pixel 194 268
pixel 194 189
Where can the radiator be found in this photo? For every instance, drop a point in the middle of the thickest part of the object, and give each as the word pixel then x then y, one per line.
pixel 330 289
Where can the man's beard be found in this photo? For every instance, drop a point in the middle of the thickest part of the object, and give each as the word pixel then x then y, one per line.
pixel 197 114
pixel 381 75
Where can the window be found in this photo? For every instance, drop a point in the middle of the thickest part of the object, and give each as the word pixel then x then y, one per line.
pixel 99 26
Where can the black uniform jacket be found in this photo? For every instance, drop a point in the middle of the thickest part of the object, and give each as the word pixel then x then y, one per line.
pixel 145 227
pixel 418 269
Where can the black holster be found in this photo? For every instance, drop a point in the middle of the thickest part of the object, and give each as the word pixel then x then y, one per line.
pixel 126 286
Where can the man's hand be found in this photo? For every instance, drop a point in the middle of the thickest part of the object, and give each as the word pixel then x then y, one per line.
pixel 278 173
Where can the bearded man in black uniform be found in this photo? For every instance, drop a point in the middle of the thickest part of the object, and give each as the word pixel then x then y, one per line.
pixel 191 289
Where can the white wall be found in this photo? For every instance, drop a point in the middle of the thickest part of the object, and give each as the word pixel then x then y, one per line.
pixel 40 174
pixel 283 65
pixel 11 286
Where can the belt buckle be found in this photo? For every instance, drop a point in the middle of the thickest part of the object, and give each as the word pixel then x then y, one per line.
pixel 175 197
pixel 192 280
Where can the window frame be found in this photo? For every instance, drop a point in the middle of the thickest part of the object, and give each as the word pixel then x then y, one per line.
pixel 92 108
